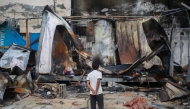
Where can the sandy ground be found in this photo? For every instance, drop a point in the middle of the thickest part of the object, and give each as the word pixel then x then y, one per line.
pixel 75 100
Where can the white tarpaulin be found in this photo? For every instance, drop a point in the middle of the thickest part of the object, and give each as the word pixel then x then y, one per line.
pixel 104 47
pixel 44 55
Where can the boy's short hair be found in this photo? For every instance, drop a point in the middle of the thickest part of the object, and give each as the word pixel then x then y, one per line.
pixel 95 64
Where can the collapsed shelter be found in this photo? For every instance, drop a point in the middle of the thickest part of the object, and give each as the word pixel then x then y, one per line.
pixel 129 38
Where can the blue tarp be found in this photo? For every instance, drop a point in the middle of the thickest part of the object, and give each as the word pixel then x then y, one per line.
pixel 8 37
pixel 34 36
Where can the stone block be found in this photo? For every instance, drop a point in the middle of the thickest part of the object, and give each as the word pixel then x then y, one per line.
pixel 62 91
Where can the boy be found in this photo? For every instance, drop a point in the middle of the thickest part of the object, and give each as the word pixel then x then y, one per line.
pixel 94 84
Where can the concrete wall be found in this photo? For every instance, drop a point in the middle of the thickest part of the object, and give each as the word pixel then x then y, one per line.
pixel 118 7
pixel 179 46
pixel 31 9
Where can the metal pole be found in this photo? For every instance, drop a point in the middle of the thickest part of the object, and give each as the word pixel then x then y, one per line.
pixel 171 64
pixel 188 71
pixel 27 35
pixel 171 52
pixel 54 1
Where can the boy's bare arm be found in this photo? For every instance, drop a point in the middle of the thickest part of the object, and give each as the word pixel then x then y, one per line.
pixel 88 85
pixel 97 85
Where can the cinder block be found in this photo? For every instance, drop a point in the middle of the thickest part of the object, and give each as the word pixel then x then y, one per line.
pixel 62 91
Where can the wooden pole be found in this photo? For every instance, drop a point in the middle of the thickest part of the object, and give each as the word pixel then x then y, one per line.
pixel 27 35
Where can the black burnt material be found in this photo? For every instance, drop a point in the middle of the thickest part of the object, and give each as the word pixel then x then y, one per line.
pixel 156 36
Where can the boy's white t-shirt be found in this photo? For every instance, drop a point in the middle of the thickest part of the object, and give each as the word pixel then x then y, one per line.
pixel 93 77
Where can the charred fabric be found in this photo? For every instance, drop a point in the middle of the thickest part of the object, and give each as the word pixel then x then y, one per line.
pixel 21 67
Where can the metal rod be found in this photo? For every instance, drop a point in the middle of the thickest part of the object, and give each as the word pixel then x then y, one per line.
pixel 171 52
pixel 79 18
pixel 188 7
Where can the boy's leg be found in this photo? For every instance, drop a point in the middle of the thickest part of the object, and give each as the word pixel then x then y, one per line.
pixel 100 100
pixel 93 101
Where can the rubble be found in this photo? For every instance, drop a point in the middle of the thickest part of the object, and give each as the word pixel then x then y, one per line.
pixel 46 91
pixel 139 103
pixel 3 85
pixel 52 55
pixel 158 42
pixel 53 59
pixel 23 84
pixel 169 88
pixel 15 56
pixel 156 37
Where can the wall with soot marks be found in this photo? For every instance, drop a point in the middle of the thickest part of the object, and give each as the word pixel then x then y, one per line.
pixel 31 9
pixel 133 8
pixel 118 7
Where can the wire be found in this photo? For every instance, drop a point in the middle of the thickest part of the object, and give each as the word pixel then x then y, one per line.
pixel 173 12
pixel 179 10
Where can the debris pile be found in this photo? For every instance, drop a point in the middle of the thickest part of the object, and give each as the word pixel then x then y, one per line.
pixel 139 103
pixel 20 67
pixel 47 91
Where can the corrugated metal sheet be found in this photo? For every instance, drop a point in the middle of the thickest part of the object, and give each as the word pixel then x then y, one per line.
pixel 127 41
pixel 124 54
pixel 134 26
pixel 179 43
pixel 132 43
pixel 135 36
pixel 15 56
pixel 144 47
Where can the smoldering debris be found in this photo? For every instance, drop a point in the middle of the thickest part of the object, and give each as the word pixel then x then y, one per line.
pixel 47 91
